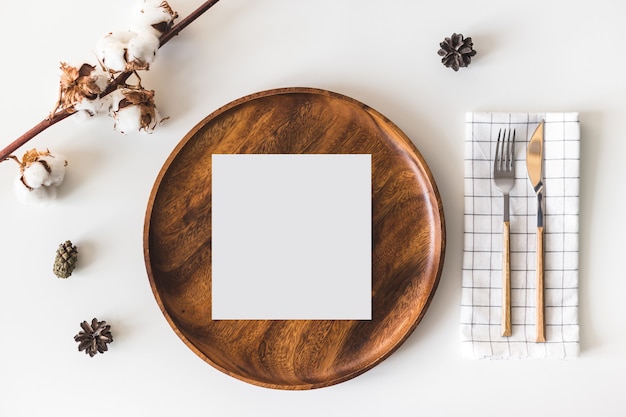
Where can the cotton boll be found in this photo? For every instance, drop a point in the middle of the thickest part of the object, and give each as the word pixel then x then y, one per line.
pixel 89 108
pixel 156 16
pixel 132 119
pixel 47 171
pixel 142 48
pixel 112 50
pixel 40 174
pixel 135 110
pixel 128 119
pixel 44 170
pixel 57 165
pixel 114 100
pixel 35 175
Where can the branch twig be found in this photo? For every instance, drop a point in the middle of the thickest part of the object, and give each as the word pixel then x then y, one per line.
pixel 112 86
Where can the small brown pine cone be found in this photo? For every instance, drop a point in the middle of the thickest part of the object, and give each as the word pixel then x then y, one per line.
pixel 94 337
pixel 456 51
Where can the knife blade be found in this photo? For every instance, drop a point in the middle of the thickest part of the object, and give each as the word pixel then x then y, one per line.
pixel 534 165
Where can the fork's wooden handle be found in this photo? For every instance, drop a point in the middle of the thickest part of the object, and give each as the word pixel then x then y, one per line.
pixel 506 280
pixel 541 328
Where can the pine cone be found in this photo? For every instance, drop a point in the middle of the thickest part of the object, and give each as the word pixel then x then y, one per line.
pixel 65 260
pixel 456 51
pixel 94 338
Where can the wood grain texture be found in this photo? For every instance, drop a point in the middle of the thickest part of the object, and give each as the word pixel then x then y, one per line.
pixel 408 239
pixel 506 280
pixel 541 326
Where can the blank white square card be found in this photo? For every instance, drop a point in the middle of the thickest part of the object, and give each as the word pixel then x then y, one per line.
pixel 291 237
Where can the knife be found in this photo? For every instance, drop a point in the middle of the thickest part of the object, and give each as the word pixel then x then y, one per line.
pixel 534 165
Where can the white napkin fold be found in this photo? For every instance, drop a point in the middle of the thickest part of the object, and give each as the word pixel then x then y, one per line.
pixel 482 255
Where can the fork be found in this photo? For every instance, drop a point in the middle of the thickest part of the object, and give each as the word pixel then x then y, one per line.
pixel 504 178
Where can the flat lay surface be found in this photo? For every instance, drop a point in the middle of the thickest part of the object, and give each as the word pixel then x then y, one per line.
pixel 533 58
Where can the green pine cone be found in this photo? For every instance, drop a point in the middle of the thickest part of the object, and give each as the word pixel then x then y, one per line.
pixel 65 260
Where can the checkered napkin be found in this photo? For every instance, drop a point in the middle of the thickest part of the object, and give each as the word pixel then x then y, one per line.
pixel 482 253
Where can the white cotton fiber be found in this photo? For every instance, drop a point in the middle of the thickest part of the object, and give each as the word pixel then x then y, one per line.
pixel 152 13
pixel 102 79
pixel 128 119
pixel 35 175
pixel 88 108
pixel 47 171
pixel 57 170
pixel 112 50
pixel 143 47
pixel 114 100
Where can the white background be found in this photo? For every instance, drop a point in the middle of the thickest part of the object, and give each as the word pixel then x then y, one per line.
pixel 533 55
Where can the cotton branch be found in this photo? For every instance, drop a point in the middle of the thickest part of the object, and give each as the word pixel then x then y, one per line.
pixel 118 81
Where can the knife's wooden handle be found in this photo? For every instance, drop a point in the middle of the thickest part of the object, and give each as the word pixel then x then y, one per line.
pixel 506 280
pixel 541 328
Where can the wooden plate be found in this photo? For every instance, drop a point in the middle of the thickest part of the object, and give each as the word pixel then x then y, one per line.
pixel 408 239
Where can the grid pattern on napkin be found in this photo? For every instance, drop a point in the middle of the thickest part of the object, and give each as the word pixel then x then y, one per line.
pixel 482 256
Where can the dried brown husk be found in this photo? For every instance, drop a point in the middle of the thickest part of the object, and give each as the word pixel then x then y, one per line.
pixel 165 5
pixel 30 157
pixel 77 84
pixel 166 25
pixel 136 64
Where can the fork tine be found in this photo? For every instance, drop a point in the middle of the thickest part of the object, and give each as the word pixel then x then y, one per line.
pixel 505 151
pixel 498 157
pixel 512 153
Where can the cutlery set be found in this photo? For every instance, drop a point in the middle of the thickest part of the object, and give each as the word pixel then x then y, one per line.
pixel 504 179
